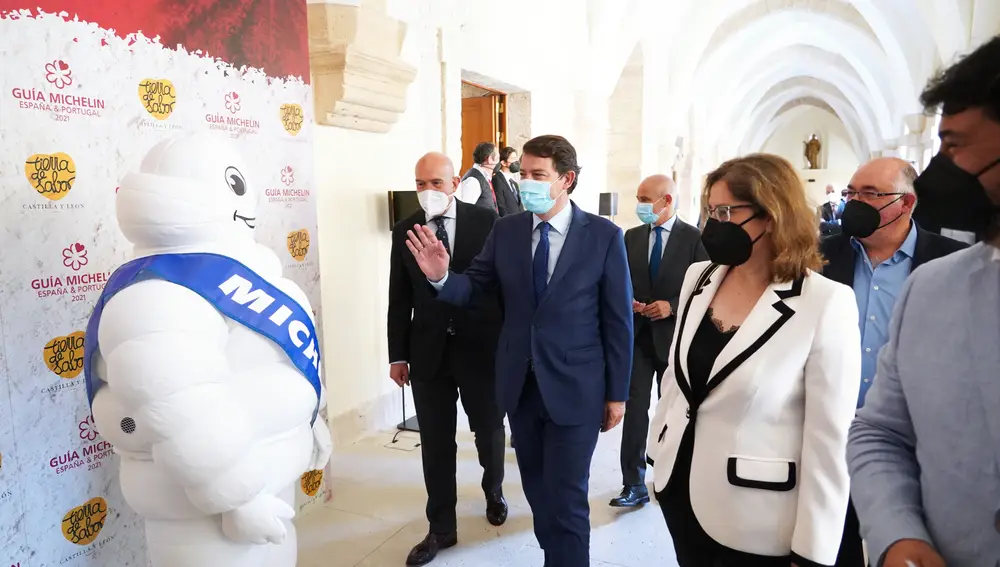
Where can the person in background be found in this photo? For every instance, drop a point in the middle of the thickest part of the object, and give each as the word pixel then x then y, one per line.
pixel 566 344
pixel 660 251
pixel 878 250
pixel 446 353
pixel 924 448
pixel 477 183
pixel 749 436
pixel 505 182
pixel 830 212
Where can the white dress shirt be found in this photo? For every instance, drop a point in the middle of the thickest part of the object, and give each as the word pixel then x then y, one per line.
pixel 470 189
pixel 667 227
pixel 560 225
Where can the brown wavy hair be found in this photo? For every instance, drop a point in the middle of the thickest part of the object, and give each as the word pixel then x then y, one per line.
pixel 772 184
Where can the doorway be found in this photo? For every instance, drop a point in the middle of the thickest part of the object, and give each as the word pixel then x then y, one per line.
pixel 484 119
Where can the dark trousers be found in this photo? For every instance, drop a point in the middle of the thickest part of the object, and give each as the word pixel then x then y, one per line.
pixel 851 550
pixel 635 426
pixel 435 400
pixel 555 472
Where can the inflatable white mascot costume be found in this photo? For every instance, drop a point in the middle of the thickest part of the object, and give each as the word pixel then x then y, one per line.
pixel 205 372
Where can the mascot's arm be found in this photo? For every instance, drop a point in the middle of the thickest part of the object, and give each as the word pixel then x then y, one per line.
pixel 164 349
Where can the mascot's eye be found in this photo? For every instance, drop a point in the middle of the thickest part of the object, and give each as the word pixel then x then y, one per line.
pixel 236 182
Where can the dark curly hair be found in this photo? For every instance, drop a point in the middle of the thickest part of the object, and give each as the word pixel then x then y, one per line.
pixel 562 152
pixel 972 82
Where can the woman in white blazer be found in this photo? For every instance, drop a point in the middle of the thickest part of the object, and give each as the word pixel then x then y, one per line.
pixel 749 438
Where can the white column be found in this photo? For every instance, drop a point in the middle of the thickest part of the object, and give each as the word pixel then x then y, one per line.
pixel 591 142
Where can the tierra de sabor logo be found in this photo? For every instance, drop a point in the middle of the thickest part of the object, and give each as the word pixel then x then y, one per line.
pixel 51 175
pixel 292 118
pixel 311 482
pixel 64 355
pixel 82 524
pixel 298 244
pixel 158 97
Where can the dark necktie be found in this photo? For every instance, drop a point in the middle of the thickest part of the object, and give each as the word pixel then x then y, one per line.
pixel 657 254
pixel 441 233
pixel 540 266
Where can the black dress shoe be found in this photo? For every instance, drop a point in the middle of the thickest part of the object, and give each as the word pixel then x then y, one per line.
pixel 496 508
pixel 425 551
pixel 631 497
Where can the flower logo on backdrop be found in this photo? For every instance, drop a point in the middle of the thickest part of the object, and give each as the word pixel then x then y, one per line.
pixel 51 175
pixel 292 118
pixel 233 102
pixel 60 105
pixel 64 355
pixel 77 284
pixel 59 74
pixel 82 524
pixel 288 194
pixel 311 483
pixel 75 256
pixel 88 430
pixel 233 125
pixel 298 244
pixel 88 456
pixel 158 97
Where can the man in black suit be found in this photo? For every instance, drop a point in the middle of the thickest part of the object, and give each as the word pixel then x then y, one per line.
pixel 445 352
pixel 659 254
pixel 505 183
pixel 879 247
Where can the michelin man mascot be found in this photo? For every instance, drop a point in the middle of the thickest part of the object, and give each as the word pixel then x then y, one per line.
pixel 205 372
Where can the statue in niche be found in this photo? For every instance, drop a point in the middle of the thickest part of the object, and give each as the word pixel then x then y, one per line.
pixel 813 146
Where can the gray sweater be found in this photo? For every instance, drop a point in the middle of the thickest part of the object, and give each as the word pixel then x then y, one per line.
pixel 924 450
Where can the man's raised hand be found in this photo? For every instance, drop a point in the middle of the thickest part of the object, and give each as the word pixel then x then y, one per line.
pixel 430 253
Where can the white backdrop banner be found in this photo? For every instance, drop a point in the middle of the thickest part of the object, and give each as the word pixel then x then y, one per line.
pixel 84 94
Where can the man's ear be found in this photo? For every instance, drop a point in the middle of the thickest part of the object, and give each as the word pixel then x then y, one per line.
pixel 909 201
pixel 570 180
pixel 455 182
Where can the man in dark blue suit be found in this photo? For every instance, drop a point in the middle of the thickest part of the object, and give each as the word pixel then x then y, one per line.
pixel 565 351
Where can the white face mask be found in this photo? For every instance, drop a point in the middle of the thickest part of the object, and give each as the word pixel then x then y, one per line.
pixel 434 203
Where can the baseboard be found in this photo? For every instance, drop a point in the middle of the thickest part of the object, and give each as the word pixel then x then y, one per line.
pixel 380 414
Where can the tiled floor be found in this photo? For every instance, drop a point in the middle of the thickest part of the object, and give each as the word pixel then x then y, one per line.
pixel 377 513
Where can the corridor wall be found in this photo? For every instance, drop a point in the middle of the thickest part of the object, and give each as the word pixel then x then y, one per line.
pixel 86 89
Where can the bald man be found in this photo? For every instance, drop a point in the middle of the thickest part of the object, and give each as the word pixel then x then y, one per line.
pixel 878 249
pixel 659 253
pixel 446 353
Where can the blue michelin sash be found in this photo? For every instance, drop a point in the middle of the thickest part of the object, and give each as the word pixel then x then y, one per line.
pixel 235 290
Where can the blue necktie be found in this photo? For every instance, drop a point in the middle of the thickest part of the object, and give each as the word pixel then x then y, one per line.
pixel 540 266
pixel 657 255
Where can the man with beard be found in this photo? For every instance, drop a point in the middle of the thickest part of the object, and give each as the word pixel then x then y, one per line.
pixel 924 448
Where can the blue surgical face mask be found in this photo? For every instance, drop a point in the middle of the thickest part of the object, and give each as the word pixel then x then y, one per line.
pixel 645 212
pixel 535 196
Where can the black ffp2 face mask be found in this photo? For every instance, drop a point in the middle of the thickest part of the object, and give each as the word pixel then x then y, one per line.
pixel 950 197
pixel 515 167
pixel 861 220
pixel 727 243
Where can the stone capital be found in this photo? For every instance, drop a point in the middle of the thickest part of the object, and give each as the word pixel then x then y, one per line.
pixel 359 79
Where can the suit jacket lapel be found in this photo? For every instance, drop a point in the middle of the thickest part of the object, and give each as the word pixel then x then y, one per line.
pixel 521 245
pixel 462 237
pixel 638 259
pixel 921 252
pixel 768 315
pixel 841 264
pixel 573 247
pixel 669 250
pixel 694 312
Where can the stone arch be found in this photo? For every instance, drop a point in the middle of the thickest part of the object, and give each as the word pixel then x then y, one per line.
pixel 771 110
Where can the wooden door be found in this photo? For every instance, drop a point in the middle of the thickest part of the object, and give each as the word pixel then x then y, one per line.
pixel 480 123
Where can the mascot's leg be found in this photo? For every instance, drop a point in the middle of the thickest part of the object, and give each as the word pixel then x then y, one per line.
pixel 199 543
pixel 286 554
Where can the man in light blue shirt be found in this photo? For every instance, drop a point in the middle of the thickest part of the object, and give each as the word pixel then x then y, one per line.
pixel 878 250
